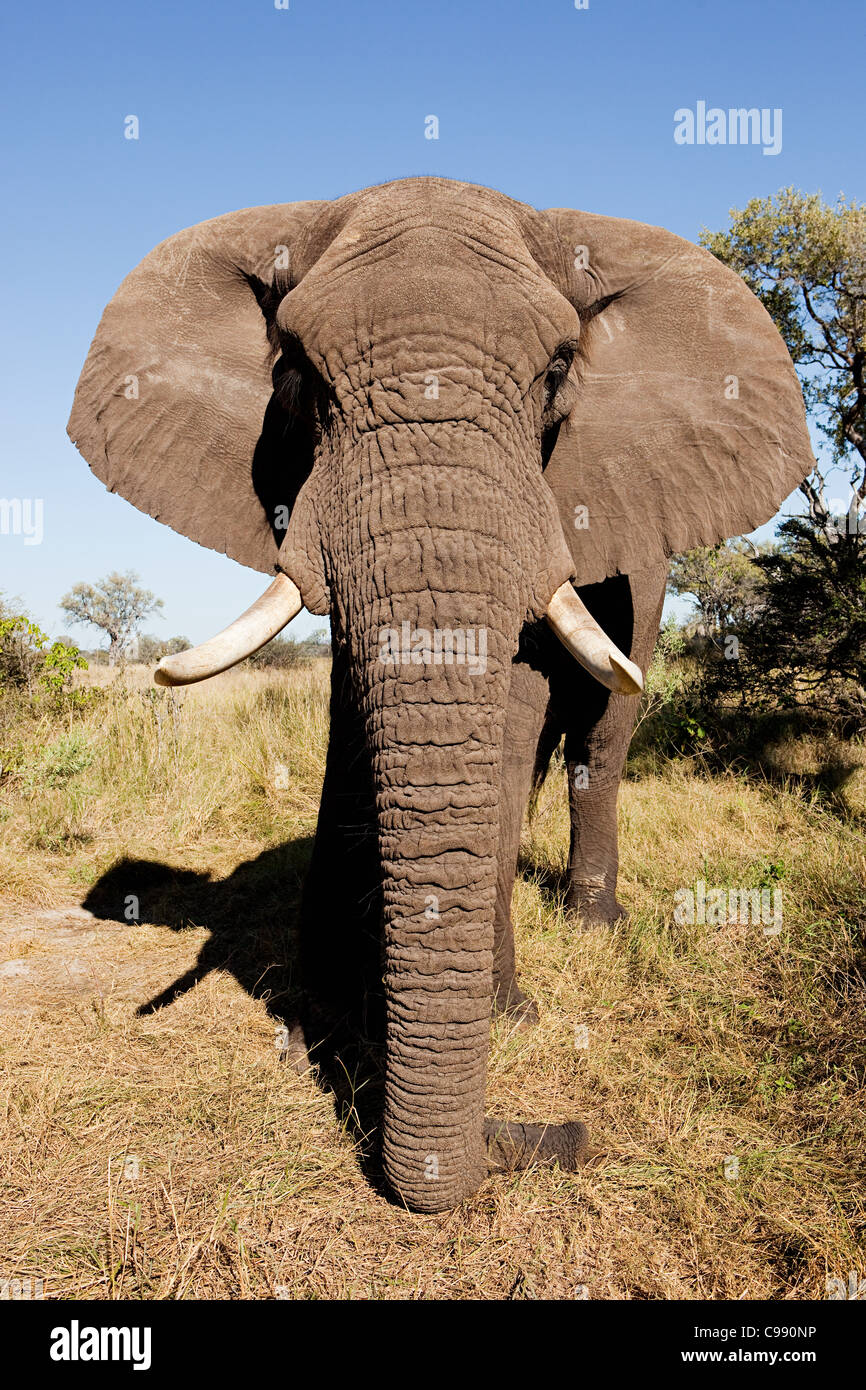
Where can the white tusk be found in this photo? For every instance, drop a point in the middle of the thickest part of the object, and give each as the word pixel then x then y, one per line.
pixel 280 602
pixel 577 630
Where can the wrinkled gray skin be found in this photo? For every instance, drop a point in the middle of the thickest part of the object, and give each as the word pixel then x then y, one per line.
pixel 439 342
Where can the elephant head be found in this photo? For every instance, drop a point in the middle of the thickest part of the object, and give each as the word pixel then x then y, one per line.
pixel 429 410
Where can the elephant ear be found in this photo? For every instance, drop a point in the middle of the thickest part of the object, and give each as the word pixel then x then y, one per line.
pixel 171 402
pixel 688 424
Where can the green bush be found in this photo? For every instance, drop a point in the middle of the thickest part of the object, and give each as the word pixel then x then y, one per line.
pixel 60 760
pixel 27 662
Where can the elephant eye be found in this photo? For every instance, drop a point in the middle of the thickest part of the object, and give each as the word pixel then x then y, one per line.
pixel 298 387
pixel 558 370
pixel 288 389
pixel 556 374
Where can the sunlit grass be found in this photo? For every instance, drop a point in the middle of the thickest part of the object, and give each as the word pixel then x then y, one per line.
pixel 720 1069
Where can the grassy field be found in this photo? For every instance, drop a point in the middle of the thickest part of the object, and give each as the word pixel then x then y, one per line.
pixel 151 849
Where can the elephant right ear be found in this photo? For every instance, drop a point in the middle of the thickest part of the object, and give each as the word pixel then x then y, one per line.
pixel 688 424
pixel 170 405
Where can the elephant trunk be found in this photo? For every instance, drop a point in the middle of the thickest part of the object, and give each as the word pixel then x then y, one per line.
pixel 431 591
pixel 442 545
pixel 438 800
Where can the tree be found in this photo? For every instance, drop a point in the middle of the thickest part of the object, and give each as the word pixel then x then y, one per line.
pixel 807 262
pixel 806 645
pixel 723 580
pixel 115 604
pixel 816 608
pixel 152 649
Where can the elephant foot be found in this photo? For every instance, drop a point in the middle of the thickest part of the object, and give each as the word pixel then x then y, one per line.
pixel 509 1002
pixel 513 1146
pixel 593 906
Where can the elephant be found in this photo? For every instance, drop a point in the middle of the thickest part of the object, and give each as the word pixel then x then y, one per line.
pixel 471 433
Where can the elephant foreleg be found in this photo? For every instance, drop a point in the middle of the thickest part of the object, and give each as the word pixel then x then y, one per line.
pixel 550 696
pixel 596 745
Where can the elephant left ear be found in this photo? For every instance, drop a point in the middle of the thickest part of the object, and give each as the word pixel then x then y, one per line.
pixel 689 424
pixel 172 405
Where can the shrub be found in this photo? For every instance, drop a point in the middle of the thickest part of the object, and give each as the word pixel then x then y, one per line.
pixel 28 662
pixel 151 649
pixel 286 654
pixel 60 760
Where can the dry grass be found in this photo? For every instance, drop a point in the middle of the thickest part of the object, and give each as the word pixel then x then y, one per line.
pixel 173 1154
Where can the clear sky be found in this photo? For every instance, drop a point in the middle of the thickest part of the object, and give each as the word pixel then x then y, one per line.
pixel 241 103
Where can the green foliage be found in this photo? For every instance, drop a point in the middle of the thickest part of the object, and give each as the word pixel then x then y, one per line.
pixel 806 644
pixel 679 727
pixel 772 871
pixel 670 720
pixel 61 659
pixel 724 581
pixel 816 604
pixel 21 643
pixel 28 663
pixel 665 675
pixel 60 760
pixel 798 611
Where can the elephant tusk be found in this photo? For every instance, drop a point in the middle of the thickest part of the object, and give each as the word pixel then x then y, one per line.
pixel 577 630
pixel 280 602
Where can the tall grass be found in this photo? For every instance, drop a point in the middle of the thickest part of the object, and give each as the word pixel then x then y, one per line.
pixel 225 767
pixel 174 1154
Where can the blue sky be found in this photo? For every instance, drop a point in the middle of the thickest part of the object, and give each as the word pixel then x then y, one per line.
pixel 240 103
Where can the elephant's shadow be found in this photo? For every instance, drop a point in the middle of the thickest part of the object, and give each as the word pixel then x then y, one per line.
pixel 256 930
